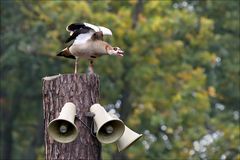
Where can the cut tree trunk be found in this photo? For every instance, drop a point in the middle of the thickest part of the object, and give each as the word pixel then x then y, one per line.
pixel 83 91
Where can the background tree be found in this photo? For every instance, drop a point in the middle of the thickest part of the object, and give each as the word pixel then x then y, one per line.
pixel 178 82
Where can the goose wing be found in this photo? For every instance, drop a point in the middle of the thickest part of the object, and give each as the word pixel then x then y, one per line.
pixel 85 31
pixel 81 33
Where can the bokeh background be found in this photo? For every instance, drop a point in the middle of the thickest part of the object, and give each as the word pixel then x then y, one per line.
pixel 178 82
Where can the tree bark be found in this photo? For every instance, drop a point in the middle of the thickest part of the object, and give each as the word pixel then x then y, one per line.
pixel 83 91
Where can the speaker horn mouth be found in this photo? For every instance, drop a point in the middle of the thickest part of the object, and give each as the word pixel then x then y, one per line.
pixel 111 131
pixel 62 131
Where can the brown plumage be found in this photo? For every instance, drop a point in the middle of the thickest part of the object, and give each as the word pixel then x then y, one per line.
pixel 65 53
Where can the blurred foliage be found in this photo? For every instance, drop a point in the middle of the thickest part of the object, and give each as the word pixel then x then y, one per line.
pixel 178 83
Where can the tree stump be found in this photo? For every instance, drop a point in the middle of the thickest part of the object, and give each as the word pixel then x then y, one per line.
pixel 83 91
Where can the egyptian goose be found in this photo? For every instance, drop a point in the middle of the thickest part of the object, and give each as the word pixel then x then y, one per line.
pixel 88 43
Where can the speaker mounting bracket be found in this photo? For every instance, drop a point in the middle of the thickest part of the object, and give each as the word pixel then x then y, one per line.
pixel 89 114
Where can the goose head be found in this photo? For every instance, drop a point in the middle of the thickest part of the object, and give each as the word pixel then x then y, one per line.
pixel 116 51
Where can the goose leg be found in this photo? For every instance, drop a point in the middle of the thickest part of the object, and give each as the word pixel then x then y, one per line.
pixel 91 67
pixel 76 65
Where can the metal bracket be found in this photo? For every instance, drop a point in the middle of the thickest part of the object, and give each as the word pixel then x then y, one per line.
pixel 89 114
pixel 92 129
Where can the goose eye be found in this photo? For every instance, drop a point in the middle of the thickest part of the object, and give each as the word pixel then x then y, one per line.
pixel 114 49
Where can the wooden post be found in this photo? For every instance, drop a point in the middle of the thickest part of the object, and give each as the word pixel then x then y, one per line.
pixel 83 91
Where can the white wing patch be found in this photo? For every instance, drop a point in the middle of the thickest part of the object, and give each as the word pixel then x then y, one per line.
pixel 95 28
pixel 105 30
pixel 83 38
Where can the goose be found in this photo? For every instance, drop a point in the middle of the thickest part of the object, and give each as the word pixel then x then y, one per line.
pixel 88 43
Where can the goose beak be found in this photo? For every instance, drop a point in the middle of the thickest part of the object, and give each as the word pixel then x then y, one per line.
pixel 118 51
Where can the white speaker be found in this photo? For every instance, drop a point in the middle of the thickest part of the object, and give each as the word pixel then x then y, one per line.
pixel 128 137
pixel 63 129
pixel 108 129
